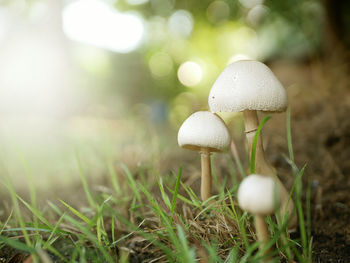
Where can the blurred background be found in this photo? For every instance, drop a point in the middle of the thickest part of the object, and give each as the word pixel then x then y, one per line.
pixel 111 81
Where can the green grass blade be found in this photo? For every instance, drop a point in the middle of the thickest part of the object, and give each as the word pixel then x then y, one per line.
pixel 112 230
pixel 77 213
pixel 17 244
pixel 184 199
pixel 187 253
pixel 100 230
pixel 233 255
pixel 54 208
pixel 132 182
pixel 90 236
pixel 14 229
pixel 114 177
pixel 32 190
pixel 249 252
pixel 164 195
pixel 176 190
pixel 53 231
pixel 192 195
pixel 213 253
pixel 36 213
pixel 91 201
pixel 298 204
pixel 156 208
pixel 308 221
pixel 165 219
pixel 240 222
pixel 17 209
pixel 255 141
pixel 136 230
pixel 6 222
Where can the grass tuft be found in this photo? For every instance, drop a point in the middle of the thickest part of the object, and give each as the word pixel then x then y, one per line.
pixel 154 221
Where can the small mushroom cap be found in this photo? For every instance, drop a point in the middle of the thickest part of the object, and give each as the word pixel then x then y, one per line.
pixel 258 194
pixel 247 85
pixel 204 129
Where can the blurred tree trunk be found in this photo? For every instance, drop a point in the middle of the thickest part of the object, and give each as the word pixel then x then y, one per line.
pixel 337 29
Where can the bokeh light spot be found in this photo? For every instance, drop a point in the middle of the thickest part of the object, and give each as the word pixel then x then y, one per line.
pixel 181 23
pixel 256 14
pixel 190 73
pixel 251 3
pixel 157 30
pixel 218 11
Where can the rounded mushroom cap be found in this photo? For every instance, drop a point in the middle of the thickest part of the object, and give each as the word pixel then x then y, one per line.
pixel 258 194
pixel 204 129
pixel 247 85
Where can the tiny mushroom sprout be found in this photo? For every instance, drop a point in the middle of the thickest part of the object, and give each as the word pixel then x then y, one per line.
pixel 250 86
pixel 260 196
pixel 204 132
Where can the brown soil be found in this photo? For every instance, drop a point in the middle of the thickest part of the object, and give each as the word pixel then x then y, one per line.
pixel 320 105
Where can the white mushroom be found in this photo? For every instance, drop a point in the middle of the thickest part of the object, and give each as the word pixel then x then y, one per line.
pixel 260 196
pixel 204 132
pixel 247 85
pixel 250 86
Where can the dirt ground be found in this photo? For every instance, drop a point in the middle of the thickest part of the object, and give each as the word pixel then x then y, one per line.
pixel 320 106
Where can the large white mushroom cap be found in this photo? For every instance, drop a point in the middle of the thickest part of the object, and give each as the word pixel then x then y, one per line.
pixel 204 129
pixel 259 194
pixel 247 85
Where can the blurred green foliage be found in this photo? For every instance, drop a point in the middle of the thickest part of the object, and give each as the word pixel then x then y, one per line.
pixel 263 30
pixel 209 35
pixel 111 100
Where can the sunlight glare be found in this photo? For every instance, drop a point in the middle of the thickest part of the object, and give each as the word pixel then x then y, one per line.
pixel 32 75
pixel 95 23
pixel 4 23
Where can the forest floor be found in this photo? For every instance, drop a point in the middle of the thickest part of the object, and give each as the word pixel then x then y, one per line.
pixel 321 138
pixel 320 106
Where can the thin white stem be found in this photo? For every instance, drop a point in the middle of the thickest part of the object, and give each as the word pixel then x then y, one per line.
pixel 206 174
pixel 262 231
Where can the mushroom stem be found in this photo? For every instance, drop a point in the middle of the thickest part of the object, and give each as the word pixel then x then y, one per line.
pixel 261 230
pixel 251 123
pixel 206 174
